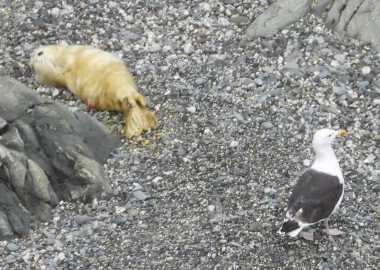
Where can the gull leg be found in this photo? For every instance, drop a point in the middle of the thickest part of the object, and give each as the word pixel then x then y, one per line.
pixel 331 231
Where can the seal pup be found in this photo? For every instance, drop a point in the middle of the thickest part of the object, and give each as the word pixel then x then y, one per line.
pixel 98 78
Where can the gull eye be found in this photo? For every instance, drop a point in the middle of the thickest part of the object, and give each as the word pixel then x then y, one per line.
pixel 40 53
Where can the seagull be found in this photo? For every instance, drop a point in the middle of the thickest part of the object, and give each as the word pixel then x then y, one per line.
pixel 318 192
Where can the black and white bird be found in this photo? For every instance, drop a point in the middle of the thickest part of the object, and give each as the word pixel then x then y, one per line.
pixel 319 191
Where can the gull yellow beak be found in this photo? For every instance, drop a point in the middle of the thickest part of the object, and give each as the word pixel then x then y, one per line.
pixel 341 132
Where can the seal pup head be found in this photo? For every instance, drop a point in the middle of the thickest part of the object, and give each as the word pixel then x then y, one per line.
pixel 49 63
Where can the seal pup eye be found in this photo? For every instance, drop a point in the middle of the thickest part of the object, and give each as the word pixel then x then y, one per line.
pixel 40 53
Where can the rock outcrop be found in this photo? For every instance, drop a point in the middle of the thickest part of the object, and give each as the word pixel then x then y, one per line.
pixel 359 19
pixel 277 17
pixel 47 154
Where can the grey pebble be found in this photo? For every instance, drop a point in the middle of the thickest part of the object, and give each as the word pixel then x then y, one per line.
pixel 81 219
pixel 200 81
pixel 240 20
pixel 266 125
pixel 140 195
pixel 132 212
pixel 118 219
pixel 362 84
pixel 48 234
pixel 255 226
pixel 12 247
pixel 258 81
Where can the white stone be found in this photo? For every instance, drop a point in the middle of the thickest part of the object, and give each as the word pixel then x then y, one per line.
pixel 157 179
pixel 370 159
pixel 234 144
pixel 211 208
pixel 306 163
pixel 334 63
pixel 366 70
pixel 61 256
pixel 120 209
pixel 206 7
pixel 55 92
pixel 55 12
pixel 188 48
pixel 191 109
pixel 223 22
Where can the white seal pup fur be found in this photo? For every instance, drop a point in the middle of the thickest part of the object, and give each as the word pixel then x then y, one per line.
pixel 98 78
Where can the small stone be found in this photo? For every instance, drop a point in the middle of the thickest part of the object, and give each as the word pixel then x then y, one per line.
pixel 119 219
pixel 366 70
pixel 258 82
pixel 181 151
pixel 370 159
pixel 206 7
pixel 81 219
pixel 211 208
pixel 255 226
pixel 239 20
pixel 266 125
pixel 48 235
pixel 146 142
pixel 120 209
pixel 188 48
pixel 362 84
pixel 200 81
pixel 55 12
pixel 223 22
pixel 157 179
pixel 155 47
pixel 61 256
pixel 13 247
pixel 334 63
pixel 191 109
pixel 306 163
pixel 355 254
pixel 55 93
pixel 140 195
pixel 132 212
pixel 234 144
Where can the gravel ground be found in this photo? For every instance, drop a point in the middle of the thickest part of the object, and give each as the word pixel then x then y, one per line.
pixel 235 124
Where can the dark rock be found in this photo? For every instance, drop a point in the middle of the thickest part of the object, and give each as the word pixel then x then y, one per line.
pixel 48 154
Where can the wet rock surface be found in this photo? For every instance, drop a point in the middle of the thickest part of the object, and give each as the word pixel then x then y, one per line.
pixel 235 128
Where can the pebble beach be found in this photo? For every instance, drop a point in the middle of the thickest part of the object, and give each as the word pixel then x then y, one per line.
pixel 208 189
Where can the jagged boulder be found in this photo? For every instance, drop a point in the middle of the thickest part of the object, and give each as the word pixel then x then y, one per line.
pixel 277 17
pixel 358 19
pixel 47 154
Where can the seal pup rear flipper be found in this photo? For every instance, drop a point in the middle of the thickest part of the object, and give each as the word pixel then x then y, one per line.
pixel 137 117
